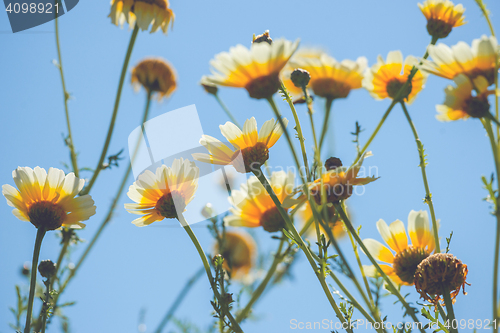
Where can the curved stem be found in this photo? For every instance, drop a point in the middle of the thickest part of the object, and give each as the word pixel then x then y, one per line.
pixel 226 110
pixel 328 109
pixel 487 126
pixel 375 132
pixel 66 96
pixel 390 284
pixel 262 286
pixel 45 306
pixel 98 168
pixel 354 302
pixel 300 242
pixel 428 195
pixel 285 131
pixel 235 326
pixel 413 71
pixel 111 209
pixel 179 300
pixel 449 309
pixel 299 129
pixel 34 269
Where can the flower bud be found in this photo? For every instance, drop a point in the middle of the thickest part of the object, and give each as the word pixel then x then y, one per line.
pixel 300 77
pixel 263 38
pixel 47 268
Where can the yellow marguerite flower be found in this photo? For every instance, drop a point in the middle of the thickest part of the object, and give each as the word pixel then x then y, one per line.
pixel 253 207
pixel 478 60
pixel 143 13
pixel 256 69
pixel 385 78
pixel 252 147
pixel 329 78
pixel 48 199
pixel 164 194
pixel 155 75
pixel 460 103
pixel 403 264
pixel 239 252
pixel 442 16
pixel 338 183
pixel 335 223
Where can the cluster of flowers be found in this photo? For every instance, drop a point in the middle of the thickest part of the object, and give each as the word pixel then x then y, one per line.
pixel 49 200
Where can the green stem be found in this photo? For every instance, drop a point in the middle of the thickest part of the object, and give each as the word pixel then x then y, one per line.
pixel 45 306
pixel 111 209
pixel 390 284
pixel 414 71
pixel 487 126
pixel 34 269
pixel 328 109
pixel 262 286
pixel 285 131
pixel 302 245
pixel 235 326
pixel 298 128
pixel 66 96
pixel 375 132
pixel 365 280
pixel 449 309
pixel 179 299
pixel 428 195
pixel 354 301
pixel 226 110
pixel 98 168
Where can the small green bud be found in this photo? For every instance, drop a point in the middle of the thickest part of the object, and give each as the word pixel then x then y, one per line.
pixel 300 77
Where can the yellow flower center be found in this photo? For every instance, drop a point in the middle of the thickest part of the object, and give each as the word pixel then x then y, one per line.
pixel 272 220
pixel 47 215
pixel 477 106
pixel 253 157
pixel 264 86
pixel 330 88
pixel 439 28
pixel 169 204
pixel 406 262
pixel 393 87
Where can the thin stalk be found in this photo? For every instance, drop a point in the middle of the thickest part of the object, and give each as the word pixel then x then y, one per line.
pixel 285 131
pixel 390 284
pixel 487 126
pixel 66 96
pixel 428 195
pixel 328 109
pixel 235 326
pixel 179 299
pixel 45 306
pixel 354 302
pixel 34 269
pixel 365 280
pixel 414 71
pixel 302 245
pixel 449 309
pixel 226 110
pixel 298 128
pixel 98 168
pixel 262 286
pixel 111 209
pixel 375 132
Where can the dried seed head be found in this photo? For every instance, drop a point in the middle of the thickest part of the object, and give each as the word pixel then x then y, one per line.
pixel 437 272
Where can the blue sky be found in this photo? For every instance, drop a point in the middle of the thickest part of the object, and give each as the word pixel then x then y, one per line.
pixel 132 268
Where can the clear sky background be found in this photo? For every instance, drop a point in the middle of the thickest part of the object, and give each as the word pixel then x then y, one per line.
pixel 142 269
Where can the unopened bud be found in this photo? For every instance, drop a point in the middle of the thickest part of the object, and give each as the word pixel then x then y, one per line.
pixel 209 86
pixel 47 268
pixel 333 163
pixel 300 77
